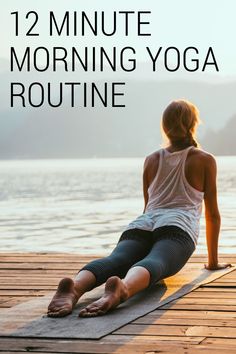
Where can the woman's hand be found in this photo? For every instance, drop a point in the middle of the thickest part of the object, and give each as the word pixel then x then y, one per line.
pixel 218 266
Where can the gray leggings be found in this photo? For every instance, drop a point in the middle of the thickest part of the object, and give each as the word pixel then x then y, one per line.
pixel 163 252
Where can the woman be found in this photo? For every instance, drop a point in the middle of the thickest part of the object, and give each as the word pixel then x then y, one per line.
pixel 158 243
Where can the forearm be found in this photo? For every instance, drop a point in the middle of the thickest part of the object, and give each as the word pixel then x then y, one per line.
pixel 145 203
pixel 212 237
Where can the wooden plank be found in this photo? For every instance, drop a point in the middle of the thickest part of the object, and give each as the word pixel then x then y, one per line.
pixel 191 314
pixel 177 330
pixel 204 301
pixel 49 259
pixel 224 279
pixel 212 331
pixel 34 272
pixel 200 300
pixel 223 258
pixel 221 284
pixel 142 339
pixel 43 288
pixel 23 292
pixel 208 307
pixel 33 279
pixel 29 281
pixel 14 352
pixel 43 279
pixel 15 301
pixel 219 342
pixel 209 294
pixel 2 301
pixel 7 298
pixel 184 321
pixel 49 254
pixel 231 275
pixel 37 279
pixel 40 266
pixel 213 289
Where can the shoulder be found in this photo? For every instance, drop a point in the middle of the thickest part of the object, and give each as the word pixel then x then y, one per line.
pixel 202 157
pixel 151 165
pixel 152 158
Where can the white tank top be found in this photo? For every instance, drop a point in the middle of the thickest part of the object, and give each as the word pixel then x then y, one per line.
pixel 171 199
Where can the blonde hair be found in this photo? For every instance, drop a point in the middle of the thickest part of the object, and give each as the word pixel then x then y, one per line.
pixel 179 123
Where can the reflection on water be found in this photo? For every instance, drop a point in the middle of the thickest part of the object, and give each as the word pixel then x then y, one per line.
pixel 83 205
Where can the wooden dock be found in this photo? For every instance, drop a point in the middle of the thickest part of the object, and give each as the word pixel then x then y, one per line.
pixel 201 321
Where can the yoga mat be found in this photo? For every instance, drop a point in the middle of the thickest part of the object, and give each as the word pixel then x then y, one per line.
pixel 29 319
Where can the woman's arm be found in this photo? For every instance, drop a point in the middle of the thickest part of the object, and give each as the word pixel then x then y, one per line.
pixel 145 183
pixel 212 214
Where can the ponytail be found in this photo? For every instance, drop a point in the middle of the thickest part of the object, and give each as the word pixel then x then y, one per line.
pixel 191 141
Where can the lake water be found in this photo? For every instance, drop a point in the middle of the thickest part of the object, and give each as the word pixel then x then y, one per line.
pixel 83 205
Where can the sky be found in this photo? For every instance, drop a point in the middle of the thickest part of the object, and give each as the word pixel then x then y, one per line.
pixel 180 23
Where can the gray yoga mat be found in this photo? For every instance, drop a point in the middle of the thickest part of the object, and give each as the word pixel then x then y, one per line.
pixel 29 319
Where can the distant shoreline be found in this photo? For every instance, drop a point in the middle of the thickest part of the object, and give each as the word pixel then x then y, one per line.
pixel 84 158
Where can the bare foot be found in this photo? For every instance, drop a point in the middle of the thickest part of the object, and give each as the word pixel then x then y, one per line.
pixel 64 300
pixel 115 293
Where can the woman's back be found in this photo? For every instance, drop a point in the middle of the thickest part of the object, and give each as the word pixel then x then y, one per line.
pixel 169 187
pixel 195 162
pixel 175 191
